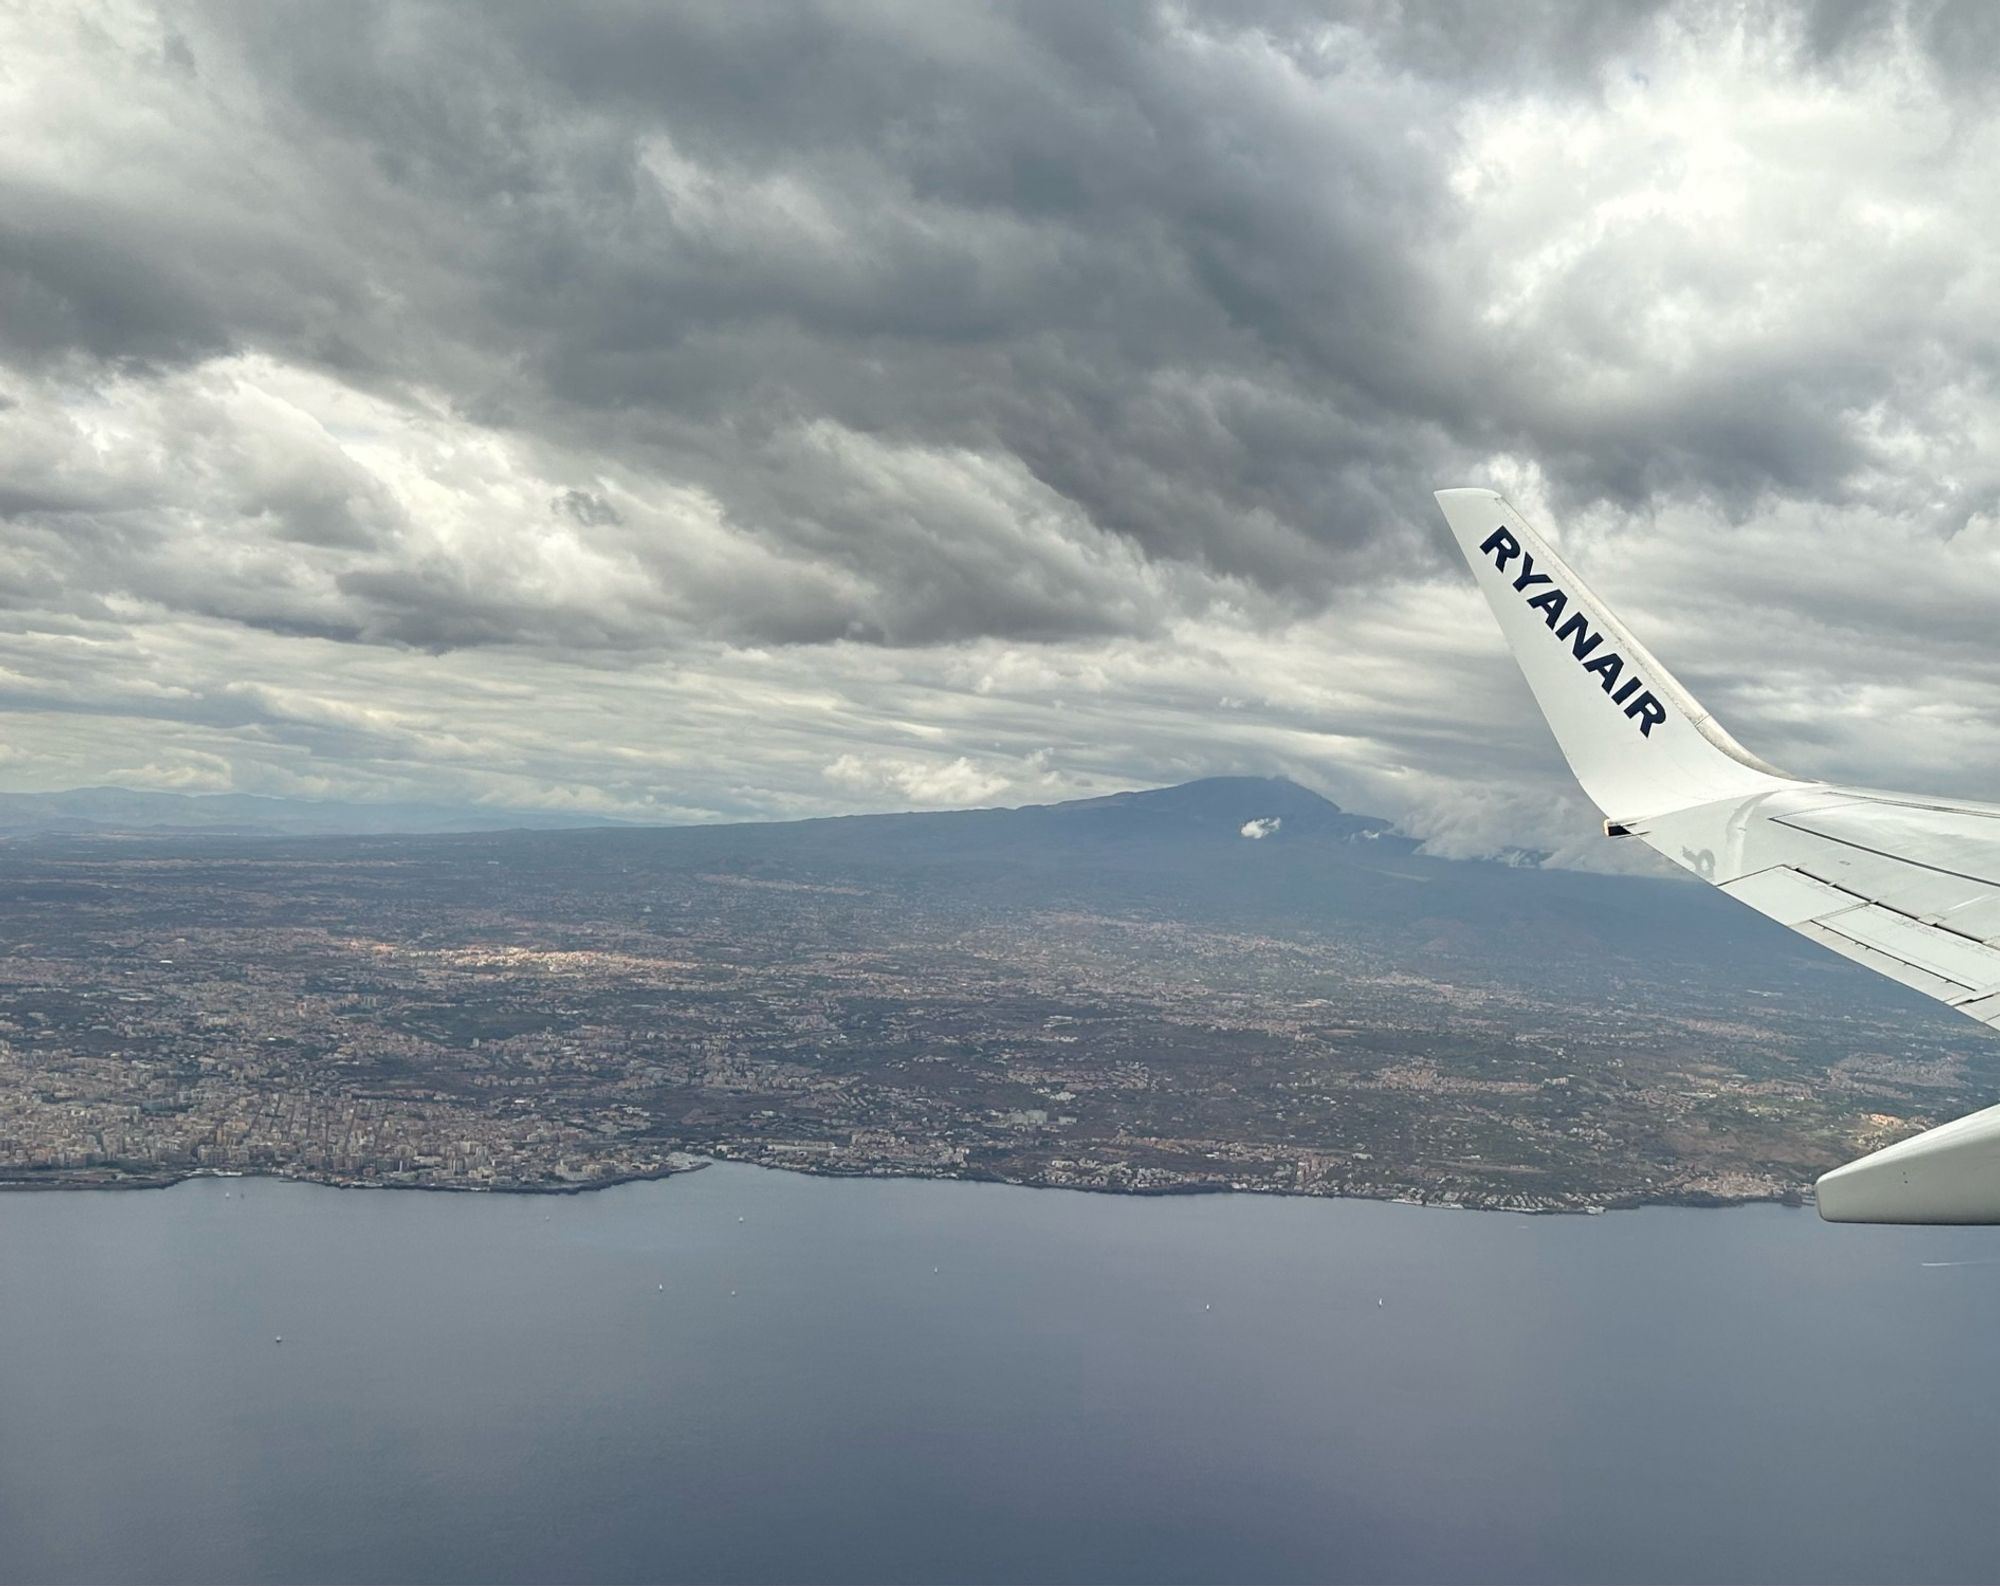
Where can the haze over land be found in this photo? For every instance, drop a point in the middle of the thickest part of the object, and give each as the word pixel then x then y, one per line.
pixel 117 811
pixel 1227 984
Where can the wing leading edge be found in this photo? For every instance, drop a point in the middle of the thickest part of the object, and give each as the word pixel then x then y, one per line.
pixel 1908 886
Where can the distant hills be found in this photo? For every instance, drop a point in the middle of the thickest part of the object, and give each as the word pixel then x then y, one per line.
pixel 117 811
pixel 1218 807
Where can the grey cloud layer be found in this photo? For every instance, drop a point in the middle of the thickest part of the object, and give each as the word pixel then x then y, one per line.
pixel 736 342
pixel 1174 275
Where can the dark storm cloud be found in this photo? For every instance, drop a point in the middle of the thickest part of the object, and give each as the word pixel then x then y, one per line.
pixel 1139 260
pixel 1146 260
pixel 1200 275
pixel 62 290
pixel 809 347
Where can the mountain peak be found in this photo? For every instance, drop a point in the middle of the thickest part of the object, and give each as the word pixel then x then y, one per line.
pixel 1249 806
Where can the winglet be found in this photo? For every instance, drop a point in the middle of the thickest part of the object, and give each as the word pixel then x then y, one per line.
pixel 1639 743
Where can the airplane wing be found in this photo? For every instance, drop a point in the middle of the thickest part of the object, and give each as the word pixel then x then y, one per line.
pixel 1908 886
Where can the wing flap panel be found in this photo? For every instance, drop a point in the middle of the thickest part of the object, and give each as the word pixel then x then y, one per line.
pixel 1954 958
pixel 1790 896
pixel 1917 978
pixel 1985 1009
pixel 1962 843
pixel 1967 908
pixel 1941 964
pixel 1977 917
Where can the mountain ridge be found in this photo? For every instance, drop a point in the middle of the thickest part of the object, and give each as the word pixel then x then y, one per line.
pixel 1207 804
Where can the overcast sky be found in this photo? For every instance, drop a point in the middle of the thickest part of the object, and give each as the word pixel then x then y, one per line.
pixel 721 411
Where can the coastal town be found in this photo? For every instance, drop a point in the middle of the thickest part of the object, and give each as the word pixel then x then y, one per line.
pixel 510 1013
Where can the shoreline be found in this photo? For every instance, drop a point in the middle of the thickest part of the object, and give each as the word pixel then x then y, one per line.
pixel 1691 1200
pixel 165 1181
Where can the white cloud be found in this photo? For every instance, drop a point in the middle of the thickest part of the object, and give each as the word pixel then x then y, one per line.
pixel 932 783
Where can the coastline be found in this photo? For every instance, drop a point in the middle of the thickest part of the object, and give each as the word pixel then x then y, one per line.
pixel 1579 1206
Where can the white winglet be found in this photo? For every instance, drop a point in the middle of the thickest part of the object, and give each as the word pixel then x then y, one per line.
pixel 1908 886
pixel 1638 742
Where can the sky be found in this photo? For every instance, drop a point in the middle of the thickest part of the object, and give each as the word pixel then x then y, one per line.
pixel 741 411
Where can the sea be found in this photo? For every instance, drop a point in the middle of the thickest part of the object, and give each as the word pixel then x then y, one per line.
pixel 744 1375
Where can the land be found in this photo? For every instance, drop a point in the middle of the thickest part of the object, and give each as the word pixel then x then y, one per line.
pixel 1126 995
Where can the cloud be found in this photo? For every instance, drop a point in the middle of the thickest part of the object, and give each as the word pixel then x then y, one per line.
pixel 713 411
pixel 1258 830
pixel 926 782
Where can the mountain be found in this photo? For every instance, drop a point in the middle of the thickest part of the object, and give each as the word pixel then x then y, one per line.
pixel 1230 982
pixel 1252 854
pixel 1213 816
pixel 1223 807
pixel 1181 854
pixel 1217 807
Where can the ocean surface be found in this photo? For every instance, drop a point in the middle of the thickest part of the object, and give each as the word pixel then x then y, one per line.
pixel 739 1375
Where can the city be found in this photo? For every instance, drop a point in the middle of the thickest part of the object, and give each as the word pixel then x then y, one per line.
pixel 556 1011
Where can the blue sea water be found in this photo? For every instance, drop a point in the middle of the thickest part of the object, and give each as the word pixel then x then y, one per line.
pixel 738 1375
